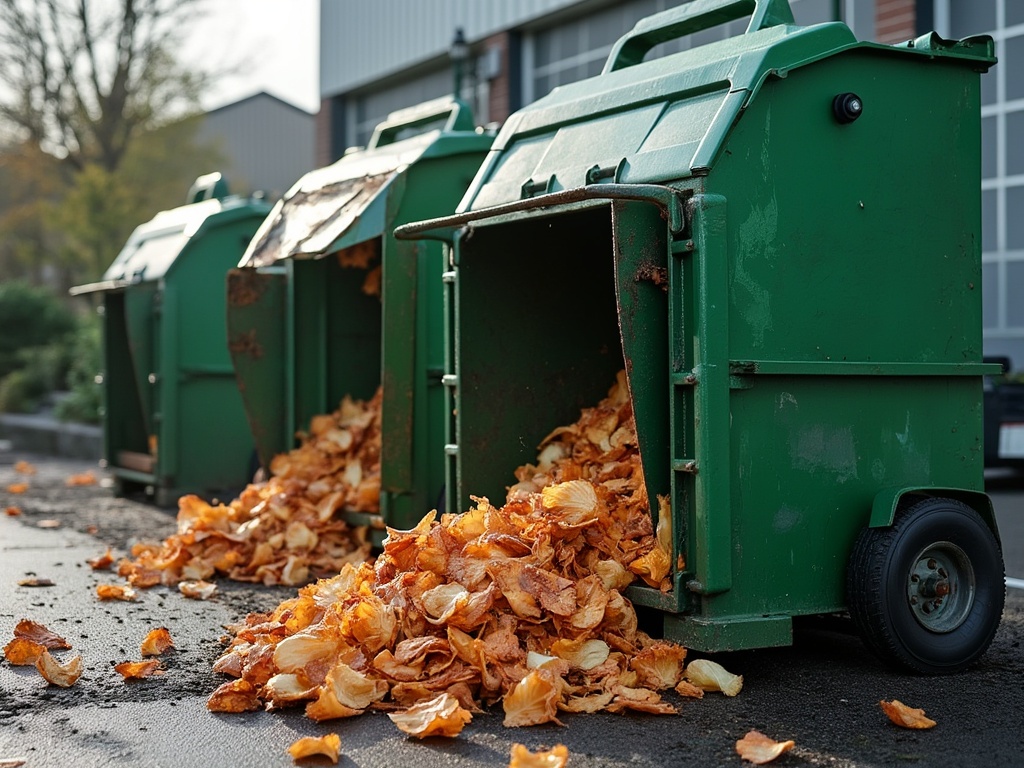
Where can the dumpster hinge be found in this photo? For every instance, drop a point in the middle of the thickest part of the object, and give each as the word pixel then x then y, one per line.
pixel 451 449
pixel 685 379
pixel 450 380
pixel 683 247
pixel 688 466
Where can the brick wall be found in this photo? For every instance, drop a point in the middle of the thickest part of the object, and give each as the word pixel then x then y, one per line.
pixel 498 103
pixel 322 141
pixel 895 20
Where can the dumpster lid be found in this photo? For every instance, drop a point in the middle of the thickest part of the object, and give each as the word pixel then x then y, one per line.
pixel 658 121
pixel 346 203
pixel 153 247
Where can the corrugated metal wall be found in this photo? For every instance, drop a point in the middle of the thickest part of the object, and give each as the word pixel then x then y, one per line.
pixel 363 41
pixel 267 143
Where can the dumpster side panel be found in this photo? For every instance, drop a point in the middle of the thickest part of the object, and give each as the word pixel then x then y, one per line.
pixel 123 416
pixel 142 308
pixel 413 422
pixel 806 474
pixel 206 445
pixel 858 241
pixel 641 289
pixel 256 327
pixel 854 243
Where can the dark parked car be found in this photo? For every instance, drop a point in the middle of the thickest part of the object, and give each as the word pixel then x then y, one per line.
pixel 1004 417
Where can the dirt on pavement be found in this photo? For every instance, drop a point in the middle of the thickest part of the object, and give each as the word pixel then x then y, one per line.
pixel 823 692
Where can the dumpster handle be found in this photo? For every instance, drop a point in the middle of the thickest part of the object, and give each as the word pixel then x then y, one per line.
pixel 668 198
pixel 459 118
pixel 692 17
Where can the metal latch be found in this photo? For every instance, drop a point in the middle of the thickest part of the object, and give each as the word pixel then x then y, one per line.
pixel 597 174
pixel 531 187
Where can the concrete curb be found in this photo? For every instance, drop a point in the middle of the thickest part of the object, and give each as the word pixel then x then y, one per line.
pixel 46 436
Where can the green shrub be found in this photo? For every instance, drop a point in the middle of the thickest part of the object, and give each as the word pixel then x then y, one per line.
pixel 85 398
pixel 31 317
pixel 53 350
pixel 40 370
pixel 19 393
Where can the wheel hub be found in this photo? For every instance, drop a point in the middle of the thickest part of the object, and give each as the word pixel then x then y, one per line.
pixel 940 587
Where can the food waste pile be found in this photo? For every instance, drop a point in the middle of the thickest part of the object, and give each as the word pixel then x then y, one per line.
pixel 519 606
pixel 284 530
pixel 520 603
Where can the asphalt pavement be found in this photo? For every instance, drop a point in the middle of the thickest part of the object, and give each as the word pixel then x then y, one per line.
pixel 823 692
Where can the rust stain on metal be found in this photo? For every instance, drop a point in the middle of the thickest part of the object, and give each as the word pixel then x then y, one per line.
pixel 246 344
pixel 653 273
pixel 245 287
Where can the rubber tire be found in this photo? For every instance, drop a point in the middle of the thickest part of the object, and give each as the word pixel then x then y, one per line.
pixel 876 588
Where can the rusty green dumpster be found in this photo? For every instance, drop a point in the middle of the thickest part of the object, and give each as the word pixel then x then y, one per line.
pixel 173 421
pixel 777 237
pixel 326 303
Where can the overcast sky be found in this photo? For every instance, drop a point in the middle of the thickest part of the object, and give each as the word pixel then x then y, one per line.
pixel 275 44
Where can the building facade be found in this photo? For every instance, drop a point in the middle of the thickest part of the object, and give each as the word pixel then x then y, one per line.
pixel 266 142
pixel 381 56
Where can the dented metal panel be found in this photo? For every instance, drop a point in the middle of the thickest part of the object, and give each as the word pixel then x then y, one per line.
pixel 325 203
pixel 308 220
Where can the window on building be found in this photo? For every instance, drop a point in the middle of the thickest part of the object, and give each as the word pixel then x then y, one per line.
pixel 579 48
pixel 1002 165
pixel 370 109
pixel 972 17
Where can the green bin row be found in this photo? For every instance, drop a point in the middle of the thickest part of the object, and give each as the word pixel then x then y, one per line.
pixel 776 235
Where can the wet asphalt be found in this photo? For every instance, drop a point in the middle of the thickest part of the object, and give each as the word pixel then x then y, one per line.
pixel 822 692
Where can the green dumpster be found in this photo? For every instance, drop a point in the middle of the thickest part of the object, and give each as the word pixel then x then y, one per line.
pixel 173 421
pixel 307 324
pixel 778 237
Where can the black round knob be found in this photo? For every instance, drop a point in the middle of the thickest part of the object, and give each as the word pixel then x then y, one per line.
pixel 847 107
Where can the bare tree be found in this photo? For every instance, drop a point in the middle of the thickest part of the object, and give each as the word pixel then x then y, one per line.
pixel 81 78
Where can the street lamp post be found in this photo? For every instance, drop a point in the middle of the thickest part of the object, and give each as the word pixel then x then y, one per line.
pixel 458 53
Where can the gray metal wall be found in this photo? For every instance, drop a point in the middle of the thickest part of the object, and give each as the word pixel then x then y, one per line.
pixel 577 49
pixel 361 42
pixel 268 143
pixel 370 51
